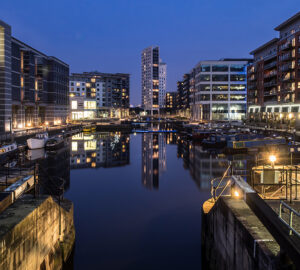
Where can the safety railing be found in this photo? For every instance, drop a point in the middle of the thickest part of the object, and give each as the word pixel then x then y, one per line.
pixel 292 212
pixel 221 185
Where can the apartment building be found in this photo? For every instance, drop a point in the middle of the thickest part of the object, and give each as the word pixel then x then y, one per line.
pixel 99 95
pixel 171 102
pixel 218 90
pixel 274 78
pixel 34 87
pixel 154 80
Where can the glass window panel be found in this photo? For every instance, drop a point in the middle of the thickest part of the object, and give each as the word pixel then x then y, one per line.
pixel 220 68
pixel 220 77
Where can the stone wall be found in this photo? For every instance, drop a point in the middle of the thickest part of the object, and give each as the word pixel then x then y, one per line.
pixel 234 238
pixel 36 233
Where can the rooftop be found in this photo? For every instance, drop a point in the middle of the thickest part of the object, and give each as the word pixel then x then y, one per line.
pixel 288 22
pixel 262 47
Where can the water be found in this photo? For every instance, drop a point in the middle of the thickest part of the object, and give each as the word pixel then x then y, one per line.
pixel 136 204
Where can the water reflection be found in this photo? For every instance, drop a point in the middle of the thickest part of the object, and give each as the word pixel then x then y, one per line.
pixel 153 159
pixel 99 150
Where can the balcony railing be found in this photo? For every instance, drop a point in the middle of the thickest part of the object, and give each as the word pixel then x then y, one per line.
pixel 270 74
pixel 285 57
pixel 270 65
pixel 285 46
pixel 271 83
pixel 286 67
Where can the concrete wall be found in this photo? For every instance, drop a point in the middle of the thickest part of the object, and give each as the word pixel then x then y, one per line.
pixel 234 238
pixel 36 234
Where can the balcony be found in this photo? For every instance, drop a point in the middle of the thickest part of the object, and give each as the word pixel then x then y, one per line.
pixel 285 46
pixel 285 57
pixel 270 65
pixel 286 67
pixel 270 74
pixel 272 92
pixel 270 84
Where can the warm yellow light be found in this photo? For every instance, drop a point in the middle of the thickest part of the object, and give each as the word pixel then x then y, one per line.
pixel 20 126
pixel 236 194
pixel 29 124
pixel 93 165
pixel 46 123
pixel 280 115
pixel 59 122
pixel 290 115
pixel 272 158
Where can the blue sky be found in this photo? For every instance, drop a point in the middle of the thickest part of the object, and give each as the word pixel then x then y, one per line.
pixel 109 35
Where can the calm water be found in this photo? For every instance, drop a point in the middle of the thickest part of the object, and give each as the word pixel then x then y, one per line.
pixel 136 203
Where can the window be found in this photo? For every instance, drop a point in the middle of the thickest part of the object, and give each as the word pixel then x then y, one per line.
pixel 204 77
pixel 74 104
pixel 276 109
pixel 237 77
pixel 269 109
pixel 78 84
pixel 219 97
pixel 90 104
pixel 205 68
pixel 237 68
pixel 238 97
pixel 237 87
pixel 220 87
pixel 205 97
pixel 295 109
pixel 204 87
pixel 220 68
pixel 220 78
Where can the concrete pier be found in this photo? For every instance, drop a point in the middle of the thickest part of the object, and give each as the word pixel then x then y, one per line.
pixel 36 233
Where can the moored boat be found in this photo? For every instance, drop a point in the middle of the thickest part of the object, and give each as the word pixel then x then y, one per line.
pixel 7 151
pixel 55 143
pixel 38 141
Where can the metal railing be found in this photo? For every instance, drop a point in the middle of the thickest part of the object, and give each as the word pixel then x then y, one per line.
pixel 292 212
pixel 214 188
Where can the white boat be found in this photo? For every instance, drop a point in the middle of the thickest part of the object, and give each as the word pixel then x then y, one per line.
pixel 36 154
pixel 38 141
pixel 7 150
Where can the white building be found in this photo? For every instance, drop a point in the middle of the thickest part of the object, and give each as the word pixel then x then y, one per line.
pixel 220 90
pixel 162 84
pixel 154 80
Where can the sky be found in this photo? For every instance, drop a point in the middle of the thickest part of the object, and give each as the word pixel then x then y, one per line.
pixel 109 35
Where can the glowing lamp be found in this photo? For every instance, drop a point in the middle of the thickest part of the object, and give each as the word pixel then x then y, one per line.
pixel 272 159
pixel 290 115
pixel 236 194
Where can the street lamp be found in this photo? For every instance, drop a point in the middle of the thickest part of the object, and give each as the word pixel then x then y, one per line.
pixel 272 159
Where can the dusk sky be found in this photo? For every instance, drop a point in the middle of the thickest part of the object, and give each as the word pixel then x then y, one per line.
pixel 109 36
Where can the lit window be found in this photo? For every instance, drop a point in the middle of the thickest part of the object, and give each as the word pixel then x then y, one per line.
pixel 78 84
pixel 74 104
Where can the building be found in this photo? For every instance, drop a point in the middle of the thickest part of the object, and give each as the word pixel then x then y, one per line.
pixel 179 96
pixel 99 95
pixel 274 78
pixel 171 102
pixel 154 80
pixel 220 90
pixel 34 87
pixel 162 84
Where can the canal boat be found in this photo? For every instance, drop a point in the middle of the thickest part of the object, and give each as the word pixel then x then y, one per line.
pixel 215 141
pixel 238 146
pixel 6 151
pixel 55 143
pixel 36 154
pixel 89 128
pixel 38 141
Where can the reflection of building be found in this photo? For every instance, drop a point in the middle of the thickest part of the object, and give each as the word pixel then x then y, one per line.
pixel 274 78
pixel 33 86
pixel 153 158
pixel 96 94
pixel 99 150
pixel 54 172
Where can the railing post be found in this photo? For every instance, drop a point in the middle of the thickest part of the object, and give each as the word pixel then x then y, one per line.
pixel 291 222
pixel 280 209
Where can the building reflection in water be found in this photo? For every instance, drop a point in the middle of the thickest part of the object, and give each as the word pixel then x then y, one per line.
pixel 206 165
pixel 105 149
pixel 54 172
pixel 153 158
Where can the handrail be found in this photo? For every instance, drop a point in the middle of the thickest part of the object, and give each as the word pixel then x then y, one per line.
pixel 292 212
pixel 214 189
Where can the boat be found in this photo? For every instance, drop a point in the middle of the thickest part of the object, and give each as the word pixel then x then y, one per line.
pixel 215 141
pixel 8 150
pixel 55 143
pixel 38 141
pixel 238 146
pixel 89 128
pixel 200 134
pixel 36 154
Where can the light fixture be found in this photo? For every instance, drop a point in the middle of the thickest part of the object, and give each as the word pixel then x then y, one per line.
pixel 236 194
pixel 290 115
pixel 46 123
